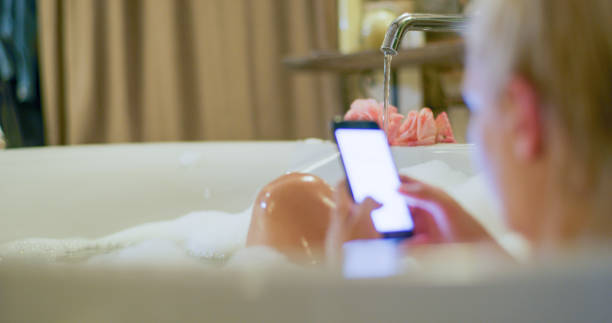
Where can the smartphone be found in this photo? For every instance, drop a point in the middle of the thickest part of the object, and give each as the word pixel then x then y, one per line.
pixel 371 172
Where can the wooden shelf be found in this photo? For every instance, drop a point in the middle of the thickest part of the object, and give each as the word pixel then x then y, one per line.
pixel 448 51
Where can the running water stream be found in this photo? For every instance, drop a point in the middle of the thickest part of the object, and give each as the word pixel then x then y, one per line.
pixel 387 85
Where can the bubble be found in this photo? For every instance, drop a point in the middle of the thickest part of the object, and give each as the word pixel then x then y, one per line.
pixel 216 238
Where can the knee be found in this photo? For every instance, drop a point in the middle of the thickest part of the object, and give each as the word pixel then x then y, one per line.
pixel 291 214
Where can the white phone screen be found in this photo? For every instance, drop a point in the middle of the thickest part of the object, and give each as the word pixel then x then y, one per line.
pixel 371 172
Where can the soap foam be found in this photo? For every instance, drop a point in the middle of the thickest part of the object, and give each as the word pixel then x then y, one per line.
pixel 215 238
pixel 209 236
pixel 146 252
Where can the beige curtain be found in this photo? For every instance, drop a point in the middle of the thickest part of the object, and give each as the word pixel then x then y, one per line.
pixel 165 70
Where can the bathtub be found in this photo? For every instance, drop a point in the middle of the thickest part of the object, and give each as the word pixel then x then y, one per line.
pixel 91 191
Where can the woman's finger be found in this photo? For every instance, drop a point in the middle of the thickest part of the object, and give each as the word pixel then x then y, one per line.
pixel 361 223
pixel 343 199
pixel 406 179
pixel 426 225
pixel 435 203
pixel 366 208
pixel 422 220
pixel 421 195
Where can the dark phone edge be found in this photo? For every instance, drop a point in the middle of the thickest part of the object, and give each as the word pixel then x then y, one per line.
pixel 397 235
pixel 353 125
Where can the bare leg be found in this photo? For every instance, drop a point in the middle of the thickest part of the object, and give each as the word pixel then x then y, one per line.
pixel 291 214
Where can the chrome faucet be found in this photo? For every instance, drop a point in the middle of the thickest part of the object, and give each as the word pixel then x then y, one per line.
pixel 421 22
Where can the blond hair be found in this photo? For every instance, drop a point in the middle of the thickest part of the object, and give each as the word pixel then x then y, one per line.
pixel 564 48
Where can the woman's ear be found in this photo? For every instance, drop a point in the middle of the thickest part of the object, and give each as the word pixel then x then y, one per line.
pixel 527 127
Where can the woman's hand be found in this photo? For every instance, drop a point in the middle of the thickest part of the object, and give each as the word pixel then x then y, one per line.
pixel 438 218
pixel 348 221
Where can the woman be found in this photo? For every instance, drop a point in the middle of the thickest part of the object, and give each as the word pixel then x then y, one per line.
pixel 539 84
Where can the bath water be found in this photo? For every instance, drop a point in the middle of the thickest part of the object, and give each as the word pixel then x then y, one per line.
pixel 215 239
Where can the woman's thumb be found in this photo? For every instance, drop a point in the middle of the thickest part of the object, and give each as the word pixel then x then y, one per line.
pixel 365 208
pixel 361 223
pixel 368 205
